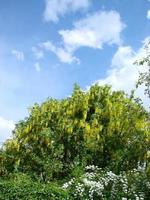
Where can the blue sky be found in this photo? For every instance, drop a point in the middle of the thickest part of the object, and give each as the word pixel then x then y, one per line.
pixel 48 45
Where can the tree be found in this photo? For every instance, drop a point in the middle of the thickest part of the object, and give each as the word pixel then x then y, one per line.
pixel 100 126
pixel 144 77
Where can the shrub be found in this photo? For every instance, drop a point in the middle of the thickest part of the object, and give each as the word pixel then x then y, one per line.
pixel 96 184
pixel 21 187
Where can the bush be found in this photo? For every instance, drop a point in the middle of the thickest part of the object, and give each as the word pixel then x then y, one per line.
pixel 21 187
pixel 96 184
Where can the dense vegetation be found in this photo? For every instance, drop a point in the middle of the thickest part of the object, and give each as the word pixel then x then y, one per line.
pixel 52 150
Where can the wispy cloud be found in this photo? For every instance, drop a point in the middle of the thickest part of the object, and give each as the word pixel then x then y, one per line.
pixel 63 55
pixel 38 53
pixel 148 14
pixel 93 31
pixel 56 8
pixel 18 54
pixel 37 67
pixel 6 126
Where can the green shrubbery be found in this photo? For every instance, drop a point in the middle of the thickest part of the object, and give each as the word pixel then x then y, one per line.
pixel 21 187
pixel 60 138
pixel 96 184
pixel 92 184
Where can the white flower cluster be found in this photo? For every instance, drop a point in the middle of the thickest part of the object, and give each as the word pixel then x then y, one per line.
pixel 67 184
pixel 90 175
pixel 95 183
pixel 92 167
pixel 79 190
pixel 94 187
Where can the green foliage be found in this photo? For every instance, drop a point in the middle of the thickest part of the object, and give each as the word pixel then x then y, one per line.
pixel 21 187
pixel 100 127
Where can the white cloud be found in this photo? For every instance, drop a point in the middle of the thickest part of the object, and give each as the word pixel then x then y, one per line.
pixel 48 46
pixel 93 31
pixel 38 53
pixel 37 67
pixel 18 54
pixel 6 126
pixel 122 74
pixel 56 8
pixel 148 14
pixel 63 55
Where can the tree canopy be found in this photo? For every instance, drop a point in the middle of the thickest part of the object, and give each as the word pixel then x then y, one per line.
pixel 100 126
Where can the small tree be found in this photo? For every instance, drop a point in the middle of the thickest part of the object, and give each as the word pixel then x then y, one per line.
pixel 144 77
